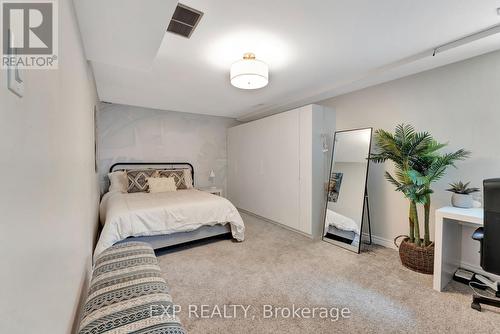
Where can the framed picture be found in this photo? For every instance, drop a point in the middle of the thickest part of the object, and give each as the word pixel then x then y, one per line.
pixel 334 186
pixel 14 81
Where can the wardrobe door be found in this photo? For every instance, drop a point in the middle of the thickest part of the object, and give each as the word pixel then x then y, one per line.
pixel 263 163
pixel 305 169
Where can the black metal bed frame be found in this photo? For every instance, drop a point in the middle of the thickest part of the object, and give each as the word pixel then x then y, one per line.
pixel 173 164
pixel 186 237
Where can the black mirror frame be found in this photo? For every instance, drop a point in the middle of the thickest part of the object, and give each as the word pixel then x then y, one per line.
pixel 365 198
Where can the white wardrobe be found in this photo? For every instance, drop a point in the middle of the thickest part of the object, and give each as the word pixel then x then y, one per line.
pixel 278 167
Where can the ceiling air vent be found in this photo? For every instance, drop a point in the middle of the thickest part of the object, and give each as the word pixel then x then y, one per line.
pixel 184 20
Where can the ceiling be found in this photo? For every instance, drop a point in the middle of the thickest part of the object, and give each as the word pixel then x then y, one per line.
pixel 315 49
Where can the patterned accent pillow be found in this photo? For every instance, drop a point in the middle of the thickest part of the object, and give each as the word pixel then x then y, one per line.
pixel 178 175
pixel 188 178
pixel 138 179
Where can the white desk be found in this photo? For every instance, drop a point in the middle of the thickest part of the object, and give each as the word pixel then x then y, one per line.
pixel 448 236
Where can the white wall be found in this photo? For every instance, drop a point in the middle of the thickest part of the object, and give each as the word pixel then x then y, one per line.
pixel 49 195
pixel 128 133
pixel 458 103
pixel 352 190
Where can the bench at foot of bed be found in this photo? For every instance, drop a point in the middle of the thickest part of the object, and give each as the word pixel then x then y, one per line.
pixel 128 295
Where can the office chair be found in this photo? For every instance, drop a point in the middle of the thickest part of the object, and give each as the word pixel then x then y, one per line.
pixel 489 237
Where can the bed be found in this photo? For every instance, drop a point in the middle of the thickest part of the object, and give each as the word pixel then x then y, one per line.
pixel 166 218
pixel 342 226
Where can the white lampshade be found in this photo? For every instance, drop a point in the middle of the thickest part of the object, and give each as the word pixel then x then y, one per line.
pixel 212 174
pixel 249 73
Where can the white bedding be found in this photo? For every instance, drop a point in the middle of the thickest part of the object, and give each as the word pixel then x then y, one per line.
pixel 340 222
pixel 144 214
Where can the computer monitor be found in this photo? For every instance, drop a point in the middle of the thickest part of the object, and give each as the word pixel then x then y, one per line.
pixel 490 245
pixel 489 237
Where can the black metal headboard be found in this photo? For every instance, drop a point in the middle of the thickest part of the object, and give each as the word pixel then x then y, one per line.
pixel 164 165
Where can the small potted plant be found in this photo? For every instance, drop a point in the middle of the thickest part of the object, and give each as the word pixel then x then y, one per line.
pixel 462 197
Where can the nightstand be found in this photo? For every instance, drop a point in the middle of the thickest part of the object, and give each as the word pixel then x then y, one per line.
pixel 212 190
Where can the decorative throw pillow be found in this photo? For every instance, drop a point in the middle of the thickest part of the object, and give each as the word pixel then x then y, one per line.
pixel 177 174
pixel 188 178
pixel 137 179
pixel 161 184
pixel 118 182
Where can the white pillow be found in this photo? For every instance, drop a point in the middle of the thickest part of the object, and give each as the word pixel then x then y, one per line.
pixel 188 178
pixel 161 184
pixel 118 182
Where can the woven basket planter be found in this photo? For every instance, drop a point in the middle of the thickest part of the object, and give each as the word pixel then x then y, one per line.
pixel 416 258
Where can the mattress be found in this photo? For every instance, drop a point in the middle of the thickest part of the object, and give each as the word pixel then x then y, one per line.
pixel 145 214
pixel 340 222
pixel 127 294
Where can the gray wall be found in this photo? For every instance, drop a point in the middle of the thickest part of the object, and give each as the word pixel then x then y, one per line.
pixel 128 133
pixel 457 103
pixel 49 194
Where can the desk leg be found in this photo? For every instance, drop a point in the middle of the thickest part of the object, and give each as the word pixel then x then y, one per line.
pixel 448 241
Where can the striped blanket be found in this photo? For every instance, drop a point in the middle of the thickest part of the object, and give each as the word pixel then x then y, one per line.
pixel 128 295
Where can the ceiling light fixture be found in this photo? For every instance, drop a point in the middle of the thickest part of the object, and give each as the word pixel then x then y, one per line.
pixel 249 73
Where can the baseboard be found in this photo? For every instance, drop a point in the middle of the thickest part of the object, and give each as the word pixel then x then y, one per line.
pixel 380 241
pixel 479 270
pixel 275 223
pixel 468 266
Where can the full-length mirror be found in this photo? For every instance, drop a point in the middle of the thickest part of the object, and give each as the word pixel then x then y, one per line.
pixel 347 188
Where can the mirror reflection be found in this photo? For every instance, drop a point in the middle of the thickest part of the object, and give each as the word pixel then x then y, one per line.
pixel 347 188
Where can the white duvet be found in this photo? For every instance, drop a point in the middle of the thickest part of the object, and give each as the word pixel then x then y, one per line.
pixel 339 221
pixel 144 214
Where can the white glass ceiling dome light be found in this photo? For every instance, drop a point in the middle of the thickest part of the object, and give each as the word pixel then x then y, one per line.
pixel 249 73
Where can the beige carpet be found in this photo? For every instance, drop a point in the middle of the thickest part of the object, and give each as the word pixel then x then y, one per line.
pixel 278 267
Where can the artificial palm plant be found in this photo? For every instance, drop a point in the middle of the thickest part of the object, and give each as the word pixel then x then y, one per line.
pixel 418 164
pixel 430 168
